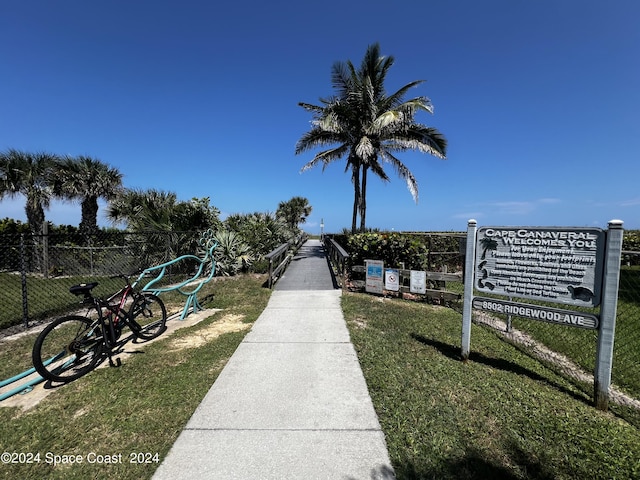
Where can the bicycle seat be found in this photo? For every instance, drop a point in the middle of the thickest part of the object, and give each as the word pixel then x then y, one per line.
pixel 83 288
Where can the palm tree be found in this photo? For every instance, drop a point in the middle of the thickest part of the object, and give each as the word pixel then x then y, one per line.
pixel 87 179
pixel 294 212
pixel 143 210
pixel 369 126
pixel 148 212
pixel 29 174
pixel 164 219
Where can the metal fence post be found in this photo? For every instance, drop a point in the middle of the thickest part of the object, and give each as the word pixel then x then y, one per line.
pixel 606 333
pixel 45 249
pixel 23 282
pixel 90 245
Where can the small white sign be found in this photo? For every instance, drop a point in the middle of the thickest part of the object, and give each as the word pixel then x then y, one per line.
pixel 374 276
pixel 418 282
pixel 392 280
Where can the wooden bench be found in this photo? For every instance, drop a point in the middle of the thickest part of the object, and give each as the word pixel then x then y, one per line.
pixel 192 285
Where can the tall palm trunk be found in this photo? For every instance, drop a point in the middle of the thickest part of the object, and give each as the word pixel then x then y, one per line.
pixel 36 219
pixel 35 216
pixel 363 199
pixel 89 209
pixel 356 197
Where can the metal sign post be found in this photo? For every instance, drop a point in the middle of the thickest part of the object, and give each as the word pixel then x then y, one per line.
pixel 468 288
pixel 608 309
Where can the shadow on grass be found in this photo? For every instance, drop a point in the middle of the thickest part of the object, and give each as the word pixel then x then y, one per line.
pixel 475 466
pixel 498 363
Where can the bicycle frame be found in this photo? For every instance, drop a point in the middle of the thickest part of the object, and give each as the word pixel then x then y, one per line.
pixel 76 342
pixel 110 315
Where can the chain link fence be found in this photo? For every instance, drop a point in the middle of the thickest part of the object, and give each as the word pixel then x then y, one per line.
pixel 573 350
pixel 36 271
pixel 626 361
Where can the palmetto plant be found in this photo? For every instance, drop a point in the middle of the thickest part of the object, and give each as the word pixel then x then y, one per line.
pixel 232 254
pixel 161 215
pixel 367 126
pixel 143 210
pixel 262 232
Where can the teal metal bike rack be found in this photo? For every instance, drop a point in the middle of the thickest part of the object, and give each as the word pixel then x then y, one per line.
pixel 194 284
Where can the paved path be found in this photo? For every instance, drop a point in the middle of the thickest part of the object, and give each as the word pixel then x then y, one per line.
pixel 291 403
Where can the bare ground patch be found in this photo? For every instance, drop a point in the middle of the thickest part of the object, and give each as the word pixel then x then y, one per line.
pixel 227 324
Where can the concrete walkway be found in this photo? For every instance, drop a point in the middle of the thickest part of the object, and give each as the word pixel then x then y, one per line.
pixel 292 402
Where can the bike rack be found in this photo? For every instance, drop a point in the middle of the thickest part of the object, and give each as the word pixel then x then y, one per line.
pixel 209 244
pixel 26 387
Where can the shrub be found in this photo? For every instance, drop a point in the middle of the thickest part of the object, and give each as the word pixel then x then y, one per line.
pixel 394 249
pixel 232 254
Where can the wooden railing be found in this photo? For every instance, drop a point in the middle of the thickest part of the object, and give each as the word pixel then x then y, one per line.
pixel 338 257
pixel 280 257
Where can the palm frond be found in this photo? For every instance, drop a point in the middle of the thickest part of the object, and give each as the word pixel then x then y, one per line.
pixel 403 172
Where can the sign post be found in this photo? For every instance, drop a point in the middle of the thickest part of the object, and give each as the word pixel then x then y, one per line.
pixel 606 335
pixel 392 280
pixel 418 282
pixel 468 288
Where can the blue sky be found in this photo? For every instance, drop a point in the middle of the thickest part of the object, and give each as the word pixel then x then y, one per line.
pixel 539 102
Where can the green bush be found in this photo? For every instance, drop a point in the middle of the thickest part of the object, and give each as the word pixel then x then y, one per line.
pixel 631 240
pixel 232 254
pixel 394 249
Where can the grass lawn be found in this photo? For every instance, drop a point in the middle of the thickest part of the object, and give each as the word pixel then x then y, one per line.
pixel 500 415
pixel 140 407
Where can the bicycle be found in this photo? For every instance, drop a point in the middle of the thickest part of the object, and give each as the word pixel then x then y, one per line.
pixel 72 345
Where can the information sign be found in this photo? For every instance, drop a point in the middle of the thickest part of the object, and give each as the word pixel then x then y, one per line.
pixel 374 278
pixel 418 282
pixel 561 265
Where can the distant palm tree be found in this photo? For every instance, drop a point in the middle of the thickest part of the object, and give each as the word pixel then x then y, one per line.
pixel 88 180
pixel 29 174
pixel 369 126
pixel 294 212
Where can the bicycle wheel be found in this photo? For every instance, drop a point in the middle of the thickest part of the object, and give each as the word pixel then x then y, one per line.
pixel 67 348
pixel 148 315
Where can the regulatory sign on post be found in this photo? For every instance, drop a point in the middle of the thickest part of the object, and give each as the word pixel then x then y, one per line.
pixel 392 280
pixel 560 265
pixel 374 278
pixel 418 282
